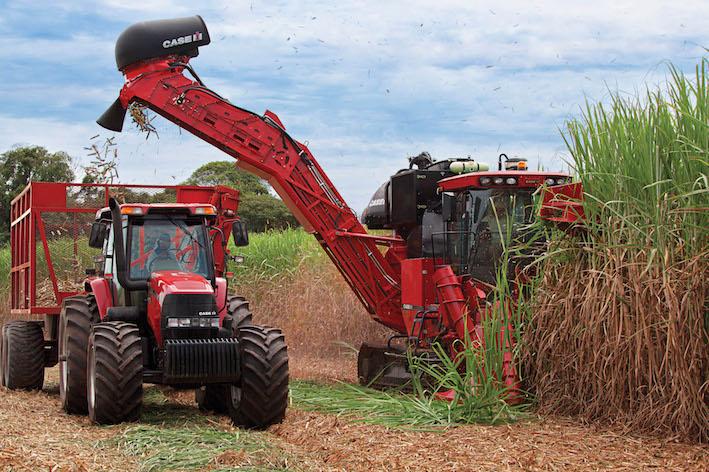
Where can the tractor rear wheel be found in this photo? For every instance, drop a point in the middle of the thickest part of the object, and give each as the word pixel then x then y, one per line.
pixel 77 316
pixel 238 314
pixel 214 397
pixel 114 373
pixel 261 398
pixel 22 362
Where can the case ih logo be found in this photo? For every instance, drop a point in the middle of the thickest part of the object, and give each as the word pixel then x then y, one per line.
pixel 190 38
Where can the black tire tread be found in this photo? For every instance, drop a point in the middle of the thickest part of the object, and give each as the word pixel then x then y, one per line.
pixel 264 378
pixel 238 315
pixel 119 372
pixel 81 313
pixel 25 355
pixel 213 397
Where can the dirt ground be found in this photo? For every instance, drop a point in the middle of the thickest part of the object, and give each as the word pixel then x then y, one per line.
pixel 36 435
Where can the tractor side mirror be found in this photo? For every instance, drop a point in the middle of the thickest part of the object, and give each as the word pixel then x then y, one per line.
pixel 240 233
pixel 447 206
pixel 98 234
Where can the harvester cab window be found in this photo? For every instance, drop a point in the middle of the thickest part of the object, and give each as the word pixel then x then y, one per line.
pixel 481 221
pixel 168 244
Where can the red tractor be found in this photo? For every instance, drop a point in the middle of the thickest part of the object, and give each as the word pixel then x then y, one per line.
pixel 155 309
pixel 434 281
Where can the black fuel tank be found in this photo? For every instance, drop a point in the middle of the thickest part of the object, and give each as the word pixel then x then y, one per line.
pixel 150 39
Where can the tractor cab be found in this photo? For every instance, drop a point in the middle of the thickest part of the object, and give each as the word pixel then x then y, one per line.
pixel 160 238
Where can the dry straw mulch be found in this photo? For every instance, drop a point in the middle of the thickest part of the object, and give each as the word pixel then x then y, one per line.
pixel 35 434
pixel 318 313
pixel 547 445
pixel 618 338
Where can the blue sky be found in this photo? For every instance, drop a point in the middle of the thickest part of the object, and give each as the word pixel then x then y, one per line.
pixel 364 83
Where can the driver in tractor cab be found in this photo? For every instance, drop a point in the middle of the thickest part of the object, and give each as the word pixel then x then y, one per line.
pixel 163 256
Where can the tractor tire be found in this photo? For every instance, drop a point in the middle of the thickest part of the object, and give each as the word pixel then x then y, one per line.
pixel 114 373
pixel 23 355
pixel 214 397
pixel 3 355
pixel 261 398
pixel 238 314
pixel 77 316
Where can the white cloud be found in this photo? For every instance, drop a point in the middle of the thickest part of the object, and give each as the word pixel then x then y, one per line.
pixel 366 83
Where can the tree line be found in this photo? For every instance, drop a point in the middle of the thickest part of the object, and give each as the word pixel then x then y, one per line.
pixel 258 207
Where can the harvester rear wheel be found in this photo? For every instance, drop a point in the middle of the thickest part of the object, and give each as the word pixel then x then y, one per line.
pixel 22 355
pixel 114 373
pixel 261 398
pixel 78 314
pixel 214 397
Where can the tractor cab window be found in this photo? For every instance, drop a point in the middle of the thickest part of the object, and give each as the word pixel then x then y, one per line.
pixel 481 221
pixel 168 244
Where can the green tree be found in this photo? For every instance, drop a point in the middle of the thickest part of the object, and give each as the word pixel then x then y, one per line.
pixel 261 210
pixel 22 164
pixel 226 173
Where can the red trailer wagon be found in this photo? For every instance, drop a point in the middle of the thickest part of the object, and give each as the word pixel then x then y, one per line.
pixel 49 233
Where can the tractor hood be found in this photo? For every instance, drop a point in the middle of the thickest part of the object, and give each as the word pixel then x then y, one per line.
pixel 174 282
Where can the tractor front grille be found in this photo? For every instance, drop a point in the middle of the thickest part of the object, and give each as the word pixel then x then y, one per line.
pixel 201 361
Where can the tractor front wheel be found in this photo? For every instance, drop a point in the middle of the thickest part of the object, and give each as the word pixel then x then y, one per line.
pixel 261 398
pixel 114 373
pixel 214 397
pixel 77 316
pixel 22 360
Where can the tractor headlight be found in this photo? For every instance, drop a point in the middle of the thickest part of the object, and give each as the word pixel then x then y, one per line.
pixel 550 181
pixel 485 181
pixel 498 180
pixel 511 181
pixel 209 322
pixel 561 180
pixel 201 322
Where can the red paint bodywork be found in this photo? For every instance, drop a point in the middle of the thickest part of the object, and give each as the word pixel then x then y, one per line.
pixel 101 287
pixel 396 291
pixel 29 236
pixel 173 282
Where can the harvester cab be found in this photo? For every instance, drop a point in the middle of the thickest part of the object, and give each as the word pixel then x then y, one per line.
pixel 456 217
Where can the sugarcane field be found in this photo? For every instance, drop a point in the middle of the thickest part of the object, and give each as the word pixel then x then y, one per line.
pixel 354 236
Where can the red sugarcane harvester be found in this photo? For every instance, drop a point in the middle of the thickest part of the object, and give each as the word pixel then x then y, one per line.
pixel 154 309
pixel 434 281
